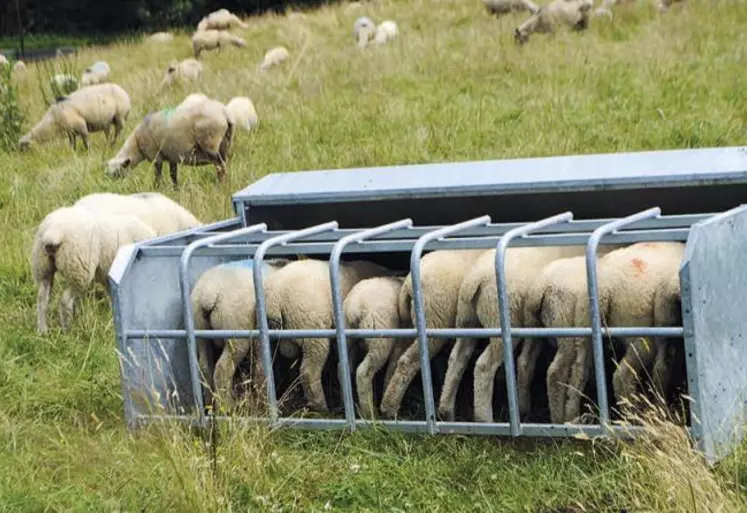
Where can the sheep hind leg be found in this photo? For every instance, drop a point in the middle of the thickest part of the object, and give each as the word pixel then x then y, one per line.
pixel 577 379
pixel 458 360
pixel 315 353
pixel 233 354
pixel 42 303
pixel 379 350
pixel 558 375
pixel 664 362
pixel 638 358
pixel 67 307
pixel 485 369
pixel 398 349
pixel 206 364
pixel 158 168
pixel 525 367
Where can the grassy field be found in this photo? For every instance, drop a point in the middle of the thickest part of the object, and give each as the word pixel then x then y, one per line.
pixel 452 87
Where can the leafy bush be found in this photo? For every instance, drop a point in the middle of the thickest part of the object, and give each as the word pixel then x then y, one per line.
pixel 11 112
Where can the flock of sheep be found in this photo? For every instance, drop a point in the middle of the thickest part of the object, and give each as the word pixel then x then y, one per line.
pixel 639 284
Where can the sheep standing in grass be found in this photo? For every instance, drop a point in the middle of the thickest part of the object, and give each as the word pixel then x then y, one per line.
pixel 97 73
pixel 223 299
pixel 274 56
pixel 186 70
pixel 386 31
pixel 573 13
pixel 299 296
pixel 214 39
pixel 629 280
pixel 373 304
pixel 194 136
pixel 91 109
pixel 222 19
pixel 159 212
pixel 243 112
pixel 478 308
pixel 441 274
pixel 161 37
pixel 191 100
pixel 80 244
pixel 501 7
pixel 364 30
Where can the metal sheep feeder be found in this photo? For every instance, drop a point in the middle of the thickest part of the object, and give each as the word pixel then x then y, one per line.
pixel 395 214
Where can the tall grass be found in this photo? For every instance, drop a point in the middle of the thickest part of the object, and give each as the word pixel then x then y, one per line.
pixel 453 87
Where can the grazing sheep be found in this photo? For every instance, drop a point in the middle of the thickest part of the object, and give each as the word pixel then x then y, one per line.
pixel 386 31
pixel 501 7
pixel 274 57
pixel 299 296
pixel 629 280
pixel 606 8
pixel 573 13
pixel 478 308
pixel 80 243
pixel 97 73
pixel 90 109
pixel 194 136
pixel 222 19
pixel 243 112
pixel 191 100
pixel 441 274
pixel 373 304
pixel 223 299
pixel 364 30
pixel 186 70
pixel 159 212
pixel 214 39
pixel 161 37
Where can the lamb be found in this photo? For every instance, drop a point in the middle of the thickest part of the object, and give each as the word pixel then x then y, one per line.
pixel 222 19
pixel 161 37
pixel 441 274
pixel 194 136
pixel 501 7
pixel 373 304
pixel 386 31
pixel 478 307
pixel 159 212
pixel 299 296
pixel 90 109
pixel 186 70
pixel 97 73
pixel 80 243
pixel 214 39
pixel 273 57
pixel 243 112
pixel 364 30
pixel 630 281
pixel 573 13
pixel 223 299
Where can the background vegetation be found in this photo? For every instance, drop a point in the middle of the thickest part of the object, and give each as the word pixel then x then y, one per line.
pixel 453 87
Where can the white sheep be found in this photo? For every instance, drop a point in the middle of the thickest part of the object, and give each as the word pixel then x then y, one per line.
pixel 299 296
pixel 223 299
pixel 501 7
pixel 4 60
pixel 90 109
pixel 572 13
pixel 606 7
pixel 19 67
pixel 386 31
pixel 373 304
pixel 214 39
pixel 243 112
pixel 364 30
pixel 194 136
pixel 182 71
pixel 222 19
pixel 630 279
pixel 478 308
pixel 159 212
pixel 64 83
pixel 161 37
pixel 191 100
pixel 441 274
pixel 97 73
pixel 274 56
pixel 80 244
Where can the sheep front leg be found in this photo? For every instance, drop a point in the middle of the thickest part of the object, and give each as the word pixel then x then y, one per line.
pixel 458 360
pixel 158 167
pixel 525 367
pixel 315 352
pixel 407 367
pixel 233 354
pixel 42 303
pixel 71 139
pixel 397 350
pixel 558 375
pixel 173 171
pixel 521 34
pixel 378 353
pixel 118 123
pixel 639 356
pixel 67 307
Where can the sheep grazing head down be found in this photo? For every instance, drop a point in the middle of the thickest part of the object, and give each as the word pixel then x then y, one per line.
pixel 24 143
pixel 119 167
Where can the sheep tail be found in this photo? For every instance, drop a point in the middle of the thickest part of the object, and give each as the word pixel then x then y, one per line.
pixel 48 240
pixel 405 302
